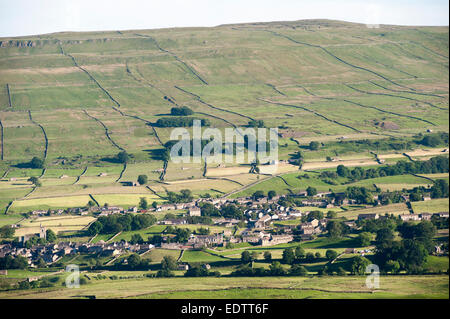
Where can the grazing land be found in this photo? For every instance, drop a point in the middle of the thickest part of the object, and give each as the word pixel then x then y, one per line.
pixel 362 117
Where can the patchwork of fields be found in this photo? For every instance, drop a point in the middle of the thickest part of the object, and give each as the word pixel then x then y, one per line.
pixel 77 99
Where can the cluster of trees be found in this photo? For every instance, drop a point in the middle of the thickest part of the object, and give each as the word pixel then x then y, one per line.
pixel 433 140
pixel 200 271
pixel 6 231
pixel 123 157
pixel 409 253
pixel 142 179
pixel 297 159
pixel 290 256
pixel 36 240
pixel 36 162
pixel 116 223
pixel 185 196
pixel 168 264
pixel 181 111
pixel 275 269
pixel 35 181
pixel 314 146
pixel 256 123
pixel 135 262
pixel 181 234
pixel 180 122
pixel 438 164
pixel 45 282
pixel 208 209
pixel 10 262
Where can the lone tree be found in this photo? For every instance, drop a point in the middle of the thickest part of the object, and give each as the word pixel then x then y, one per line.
pixel 267 256
pixel 331 254
pixel 6 232
pixel 311 191
pixel 359 265
pixel 181 111
pixel 288 256
pixel 271 194
pixel 36 182
pixel 143 204
pixel 169 263
pixel 313 145
pixel 142 179
pixel 246 257
pixel 364 239
pixel 51 236
pixel 36 163
pixel 299 252
pixel 123 157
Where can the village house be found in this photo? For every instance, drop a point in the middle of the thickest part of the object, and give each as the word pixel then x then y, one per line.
pixel 425 216
pixel 276 239
pixel 263 221
pixel 407 217
pixel 183 267
pixel 195 211
pixel 206 240
pixel 368 216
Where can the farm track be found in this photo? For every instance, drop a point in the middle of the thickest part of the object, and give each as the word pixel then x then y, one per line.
pixel 121 173
pixel 400 91
pixel 336 57
pixel 311 111
pixel 81 175
pixel 199 99
pixel 43 131
pixel 108 136
pixel 397 96
pixel 384 111
pixel 9 95
pixel 2 140
pixel 191 69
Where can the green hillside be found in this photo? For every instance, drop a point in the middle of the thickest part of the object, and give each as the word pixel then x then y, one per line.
pixel 77 99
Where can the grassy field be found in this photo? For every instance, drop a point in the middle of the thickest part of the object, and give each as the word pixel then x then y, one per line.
pixel 431 206
pixel 340 82
pixel 264 288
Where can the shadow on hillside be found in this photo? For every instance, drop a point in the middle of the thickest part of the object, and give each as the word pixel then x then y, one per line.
pixel 113 160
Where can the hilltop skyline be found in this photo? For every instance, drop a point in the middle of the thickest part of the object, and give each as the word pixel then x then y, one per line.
pixel 24 17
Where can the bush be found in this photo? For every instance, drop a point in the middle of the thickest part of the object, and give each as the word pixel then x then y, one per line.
pixel 181 111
